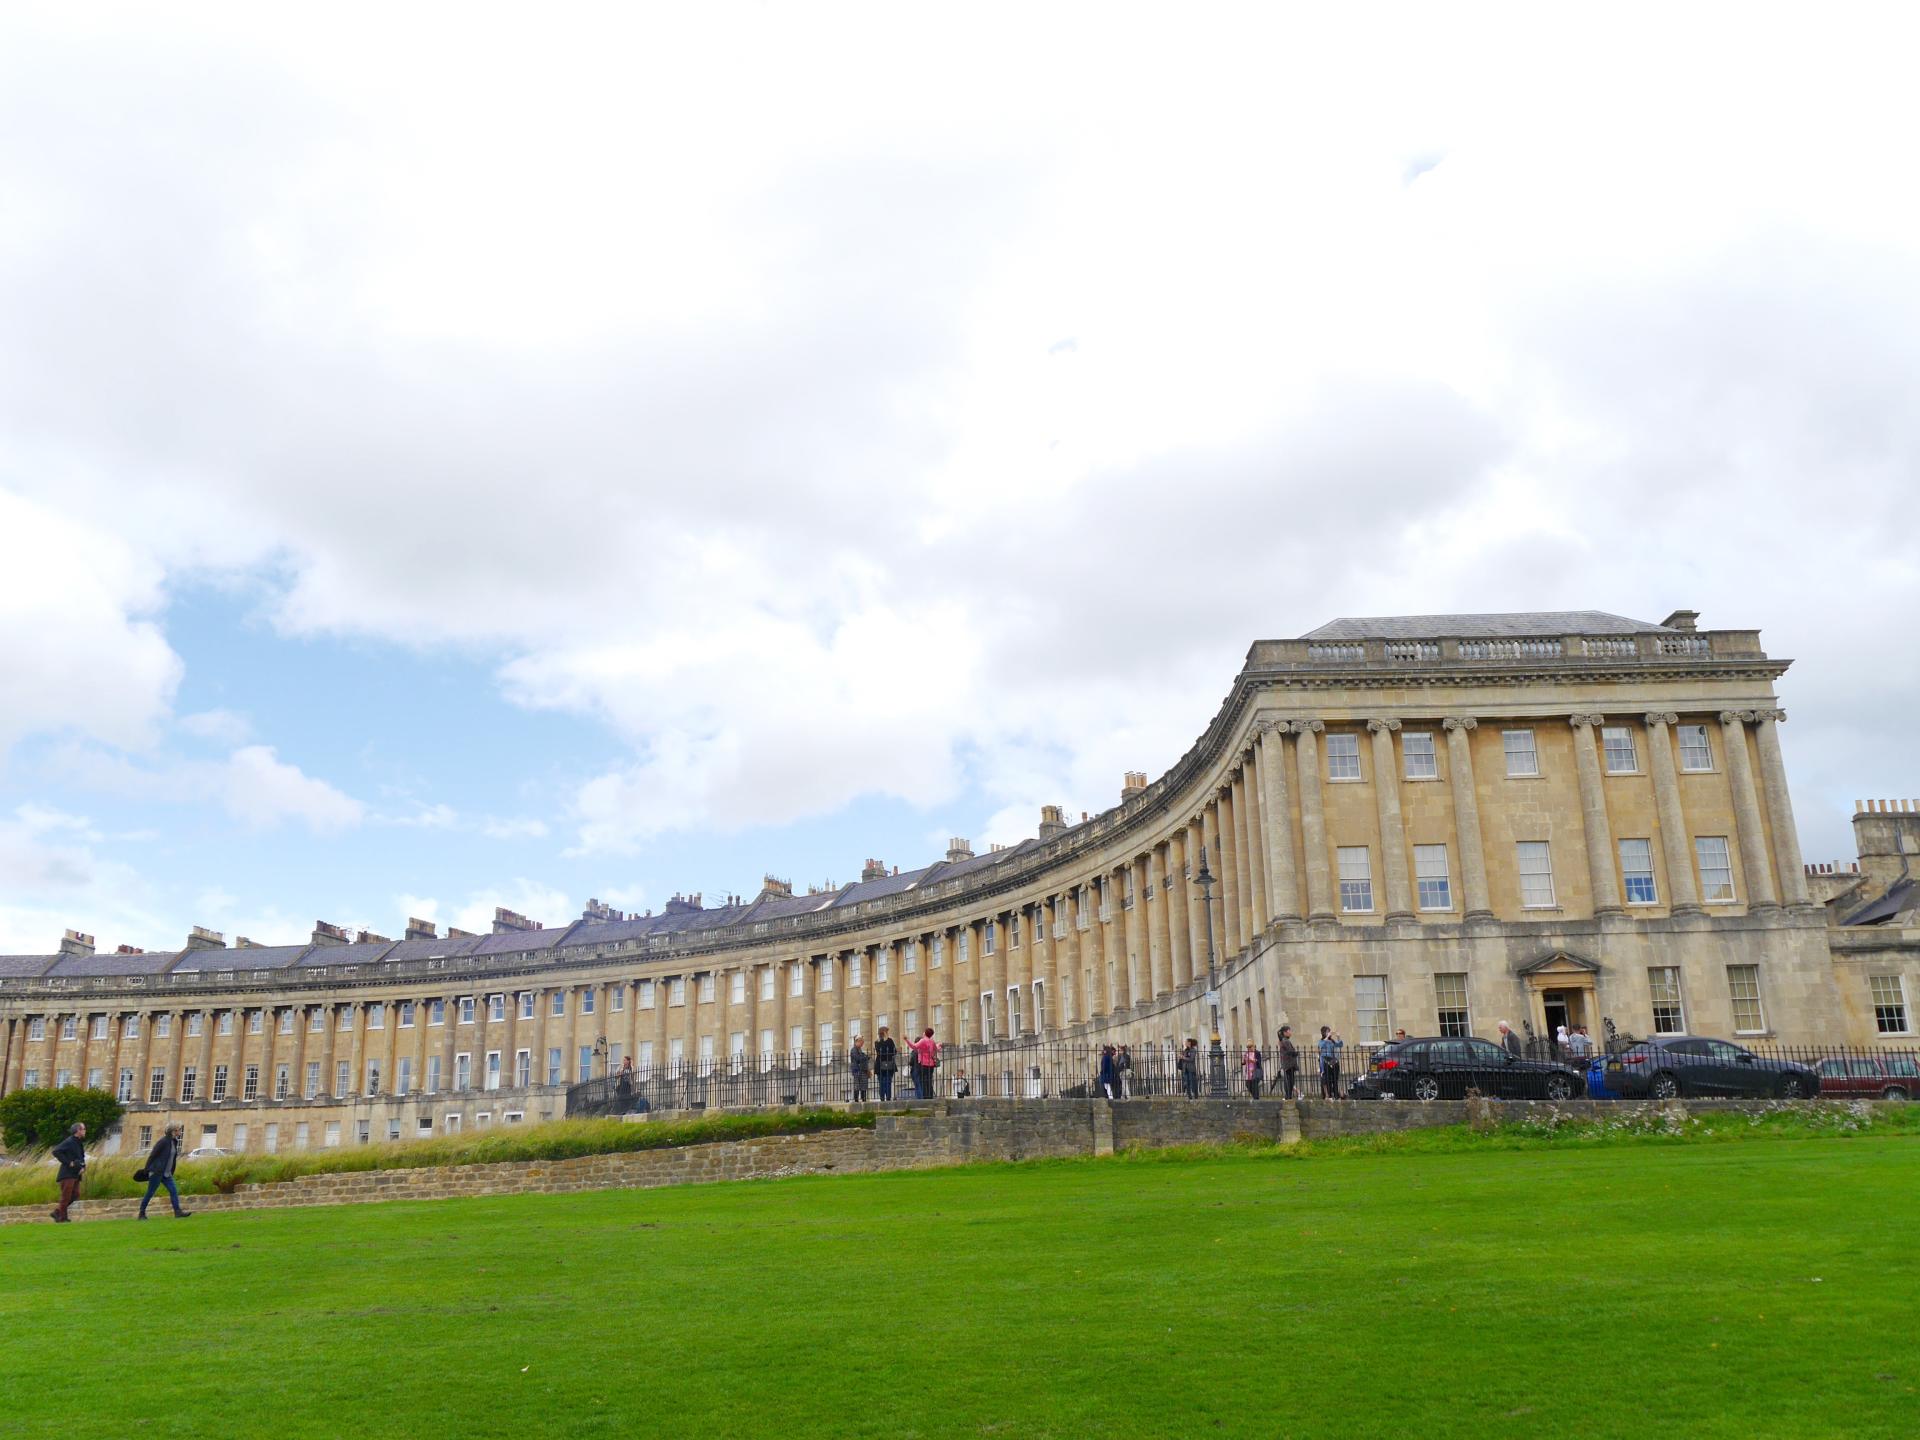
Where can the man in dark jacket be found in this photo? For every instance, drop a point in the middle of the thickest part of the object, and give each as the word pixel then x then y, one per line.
pixel 1289 1061
pixel 160 1162
pixel 72 1155
pixel 886 1060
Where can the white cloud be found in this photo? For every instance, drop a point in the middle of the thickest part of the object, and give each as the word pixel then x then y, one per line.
pixel 56 879
pixel 774 458
pixel 252 784
pixel 523 828
pixel 222 727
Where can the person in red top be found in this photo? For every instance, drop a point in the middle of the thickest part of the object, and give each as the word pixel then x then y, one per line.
pixel 926 1055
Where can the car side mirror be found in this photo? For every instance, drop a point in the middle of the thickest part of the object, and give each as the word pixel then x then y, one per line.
pixel 1509 1059
pixel 1745 1059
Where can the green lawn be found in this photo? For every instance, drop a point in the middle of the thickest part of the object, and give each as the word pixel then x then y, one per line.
pixel 1742 1290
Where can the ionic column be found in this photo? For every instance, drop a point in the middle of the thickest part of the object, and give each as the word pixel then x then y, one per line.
pixel 1179 950
pixel 356 1072
pixel 1683 897
pixel 1276 814
pixel 1119 991
pixel 1233 832
pixel 1466 815
pixel 1754 861
pixel 1313 824
pixel 810 1006
pixel 1593 815
pixel 296 1074
pixel 422 1008
pixel 1159 925
pixel 1393 830
pixel 1773 780
pixel 838 961
pixel 1196 839
pixel 141 1077
pixel 1245 869
pixel 270 1036
pixel 1259 833
pixel 204 1081
pixel 1210 848
pixel 1139 963
pixel 632 989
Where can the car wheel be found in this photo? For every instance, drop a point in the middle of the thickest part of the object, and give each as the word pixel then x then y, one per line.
pixel 1663 1086
pixel 1893 1092
pixel 1797 1087
pixel 1426 1087
pixel 1559 1087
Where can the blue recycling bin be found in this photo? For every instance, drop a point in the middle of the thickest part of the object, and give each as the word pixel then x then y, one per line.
pixel 1597 1080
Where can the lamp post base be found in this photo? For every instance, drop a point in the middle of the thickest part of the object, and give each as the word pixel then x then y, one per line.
pixel 1217 1071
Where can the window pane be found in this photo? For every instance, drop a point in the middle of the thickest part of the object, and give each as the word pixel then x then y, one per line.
pixel 1889 1004
pixel 1636 869
pixel 1356 878
pixel 1663 982
pixel 1370 1008
pixel 1430 873
pixel 1743 987
pixel 1417 746
pixel 1617 741
pixel 1536 873
pixel 1716 867
pixel 1521 759
pixel 1450 995
pixel 1696 750
pixel 1343 757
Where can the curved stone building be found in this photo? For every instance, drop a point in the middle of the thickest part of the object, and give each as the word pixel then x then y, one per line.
pixel 1429 822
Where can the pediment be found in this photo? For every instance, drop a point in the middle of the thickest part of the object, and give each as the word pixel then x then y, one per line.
pixel 1558 962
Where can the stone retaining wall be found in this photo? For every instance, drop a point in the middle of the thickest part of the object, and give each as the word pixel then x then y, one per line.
pixel 924 1134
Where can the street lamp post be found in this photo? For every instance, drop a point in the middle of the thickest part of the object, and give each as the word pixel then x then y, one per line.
pixel 1216 1052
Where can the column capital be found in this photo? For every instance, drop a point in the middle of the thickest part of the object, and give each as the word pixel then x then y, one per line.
pixel 1274 727
pixel 1776 716
pixel 1302 727
pixel 1662 717
pixel 1582 720
pixel 1737 717
pixel 1380 725
pixel 1460 722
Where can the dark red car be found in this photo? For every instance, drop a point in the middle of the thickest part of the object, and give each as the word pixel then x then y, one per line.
pixel 1887 1077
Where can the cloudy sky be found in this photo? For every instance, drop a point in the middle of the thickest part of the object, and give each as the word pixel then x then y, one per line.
pixel 453 457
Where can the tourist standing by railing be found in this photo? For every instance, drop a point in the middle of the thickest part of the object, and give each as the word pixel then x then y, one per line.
pixel 1330 1047
pixel 886 1060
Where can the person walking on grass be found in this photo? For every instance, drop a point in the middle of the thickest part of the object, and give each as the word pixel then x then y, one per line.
pixel 158 1170
pixel 861 1064
pixel 71 1152
pixel 1188 1064
pixel 1123 1072
pixel 1252 1071
pixel 886 1060
pixel 1289 1062
pixel 1330 1047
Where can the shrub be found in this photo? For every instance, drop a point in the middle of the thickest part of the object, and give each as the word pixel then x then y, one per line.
pixel 34 1119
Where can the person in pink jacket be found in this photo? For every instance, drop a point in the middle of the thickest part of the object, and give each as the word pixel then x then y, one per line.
pixel 926 1055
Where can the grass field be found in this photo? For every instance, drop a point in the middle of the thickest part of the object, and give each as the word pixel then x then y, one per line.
pixel 1753 1289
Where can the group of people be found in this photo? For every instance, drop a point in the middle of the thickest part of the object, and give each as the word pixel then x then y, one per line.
pixel 1253 1069
pixel 882 1063
pixel 1116 1072
pixel 70 1154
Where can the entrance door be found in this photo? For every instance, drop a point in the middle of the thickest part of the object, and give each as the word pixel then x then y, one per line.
pixel 1559 1012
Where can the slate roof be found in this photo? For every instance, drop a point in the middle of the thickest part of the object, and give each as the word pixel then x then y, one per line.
pixel 516 940
pixel 25 965
pixel 354 954
pixel 1521 622
pixel 886 885
pixel 151 963
pixel 431 949
pixel 1901 895
pixel 253 957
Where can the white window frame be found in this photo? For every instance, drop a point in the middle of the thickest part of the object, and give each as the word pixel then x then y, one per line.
pixel 1343 757
pixel 1526 752
pixel 1426 752
pixel 737 988
pixel 1889 993
pixel 1664 992
pixel 1629 875
pixel 677 992
pixel 1425 875
pixel 706 987
pixel 1704 737
pixel 1463 1011
pixel 1532 864
pixel 1616 740
pixel 1736 976
pixel 1372 997
pixel 1723 865
pixel 1353 866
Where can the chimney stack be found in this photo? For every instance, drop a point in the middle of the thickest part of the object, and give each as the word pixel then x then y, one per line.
pixel 201 938
pixel 453 934
pixel 418 929
pixel 128 950
pixel 1682 620
pixel 682 904
pixel 596 911
pixel 1051 825
pixel 325 934
pixel 873 870
pixel 367 937
pixel 1135 782
pixel 510 922
pixel 74 943
pixel 958 849
pixel 241 942
pixel 775 887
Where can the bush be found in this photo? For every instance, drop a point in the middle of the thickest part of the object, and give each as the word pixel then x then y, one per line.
pixel 34 1119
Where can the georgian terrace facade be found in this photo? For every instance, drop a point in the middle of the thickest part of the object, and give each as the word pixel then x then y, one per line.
pixel 1422 822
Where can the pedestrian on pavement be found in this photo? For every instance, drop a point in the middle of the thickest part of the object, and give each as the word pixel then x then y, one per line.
pixel 861 1065
pixel 1289 1061
pixel 886 1060
pixel 926 1054
pixel 624 1086
pixel 1123 1072
pixel 71 1152
pixel 1509 1041
pixel 1330 1047
pixel 1252 1071
pixel 1188 1064
pixel 158 1170
pixel 1579 1043
pixel 1109 1077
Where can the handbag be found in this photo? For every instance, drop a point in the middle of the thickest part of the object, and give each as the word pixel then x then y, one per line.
pixel 140 1175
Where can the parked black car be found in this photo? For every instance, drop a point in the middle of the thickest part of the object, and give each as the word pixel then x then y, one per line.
pixel 1698 1065
pixel 1446 1067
